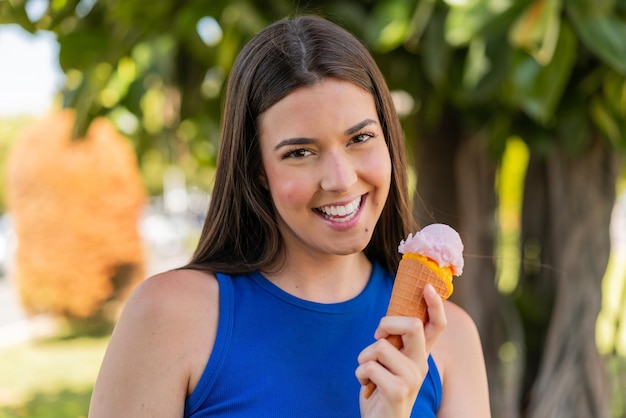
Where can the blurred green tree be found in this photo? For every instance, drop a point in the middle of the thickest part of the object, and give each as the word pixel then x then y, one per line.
pixel 552 72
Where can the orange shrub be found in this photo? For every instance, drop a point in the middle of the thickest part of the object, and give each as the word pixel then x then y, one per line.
pixel 75 207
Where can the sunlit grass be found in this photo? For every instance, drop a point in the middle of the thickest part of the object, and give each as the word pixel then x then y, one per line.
pixel 50 378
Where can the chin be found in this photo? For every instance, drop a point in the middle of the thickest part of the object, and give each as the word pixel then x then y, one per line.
pixel 350 250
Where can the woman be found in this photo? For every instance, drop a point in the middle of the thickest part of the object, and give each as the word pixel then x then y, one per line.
pixel 278 314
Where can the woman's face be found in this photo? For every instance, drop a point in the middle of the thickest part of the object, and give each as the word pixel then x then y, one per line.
pixel 327 167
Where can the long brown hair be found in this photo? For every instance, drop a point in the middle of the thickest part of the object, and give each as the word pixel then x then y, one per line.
pixel 240 232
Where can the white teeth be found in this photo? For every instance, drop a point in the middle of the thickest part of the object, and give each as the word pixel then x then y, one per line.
pixel 346 212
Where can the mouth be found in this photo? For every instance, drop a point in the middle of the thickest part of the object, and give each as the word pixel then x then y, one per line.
pixel 341 213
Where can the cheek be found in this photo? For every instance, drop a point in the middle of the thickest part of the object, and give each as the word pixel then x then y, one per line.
pixel 288 189
pixel 379 175
pixel 378 169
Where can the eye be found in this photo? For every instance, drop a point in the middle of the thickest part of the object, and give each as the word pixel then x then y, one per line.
pixel 362 137
pixel 297 153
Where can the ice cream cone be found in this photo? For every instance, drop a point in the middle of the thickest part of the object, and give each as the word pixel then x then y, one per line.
pixel 431 256
pixel 412 277
pixel 414 273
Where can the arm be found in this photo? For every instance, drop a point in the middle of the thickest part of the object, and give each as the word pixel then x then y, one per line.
pixel 459 355
pixel 159 347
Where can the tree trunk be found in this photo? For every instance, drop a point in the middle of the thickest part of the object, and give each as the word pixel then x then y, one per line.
pixel 534 295
pixel 476 290
pixel 571 380
pixel 456 186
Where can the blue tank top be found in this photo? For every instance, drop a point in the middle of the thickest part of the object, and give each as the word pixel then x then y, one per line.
pixel 276 355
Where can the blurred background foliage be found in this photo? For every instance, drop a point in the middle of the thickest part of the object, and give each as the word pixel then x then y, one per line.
pixel 539 86
pixel 10 129
pixel 158 71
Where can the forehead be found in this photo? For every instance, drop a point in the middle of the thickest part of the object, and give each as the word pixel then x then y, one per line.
pixel 327 106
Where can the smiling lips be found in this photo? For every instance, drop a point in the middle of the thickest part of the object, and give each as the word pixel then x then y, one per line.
pixel 341 213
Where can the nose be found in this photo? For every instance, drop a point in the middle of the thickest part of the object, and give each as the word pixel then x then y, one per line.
pixel 338 173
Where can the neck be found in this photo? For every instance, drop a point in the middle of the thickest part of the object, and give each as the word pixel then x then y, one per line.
pixel 331 280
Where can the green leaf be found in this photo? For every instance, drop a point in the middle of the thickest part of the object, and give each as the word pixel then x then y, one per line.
pixel 477 64
pixel 470 19
pixel 390 24
pixel 537 30
pixel 419 22
pixel 608 108
pixel 595 8
pixel 153 16
pixel 538 89
pixel 604 35
pixel 493 69
pixel 612 127
pixel 15 12
pixel 465 21
pixel 437 53
pixel 614 90
pixel 82 48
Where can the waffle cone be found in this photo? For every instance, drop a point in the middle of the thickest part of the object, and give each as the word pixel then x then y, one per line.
pixel 407 296
pixel 408 289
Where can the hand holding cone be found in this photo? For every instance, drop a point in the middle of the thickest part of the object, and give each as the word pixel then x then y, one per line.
pixel 432 256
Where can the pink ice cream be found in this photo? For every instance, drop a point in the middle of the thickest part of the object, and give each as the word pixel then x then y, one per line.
pixel 440 243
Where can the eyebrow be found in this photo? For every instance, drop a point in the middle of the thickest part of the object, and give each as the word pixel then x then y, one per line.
pixel 356 128
pixel 308 141
pixel 293 141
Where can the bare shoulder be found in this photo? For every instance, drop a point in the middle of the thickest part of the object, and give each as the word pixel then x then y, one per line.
pixel 458 342
pixel 182 307
pixel 165 334
pixel 177 302
pixel 459 357
pixel 459 329
pixel 176 292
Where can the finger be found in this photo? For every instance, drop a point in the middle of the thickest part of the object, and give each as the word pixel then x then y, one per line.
pixel 367 354
pixel 408 334
pixel 413 338
pixel 437 320
pixel 391 370
pixel 397 325
pixel 370 371
pixel 394 359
